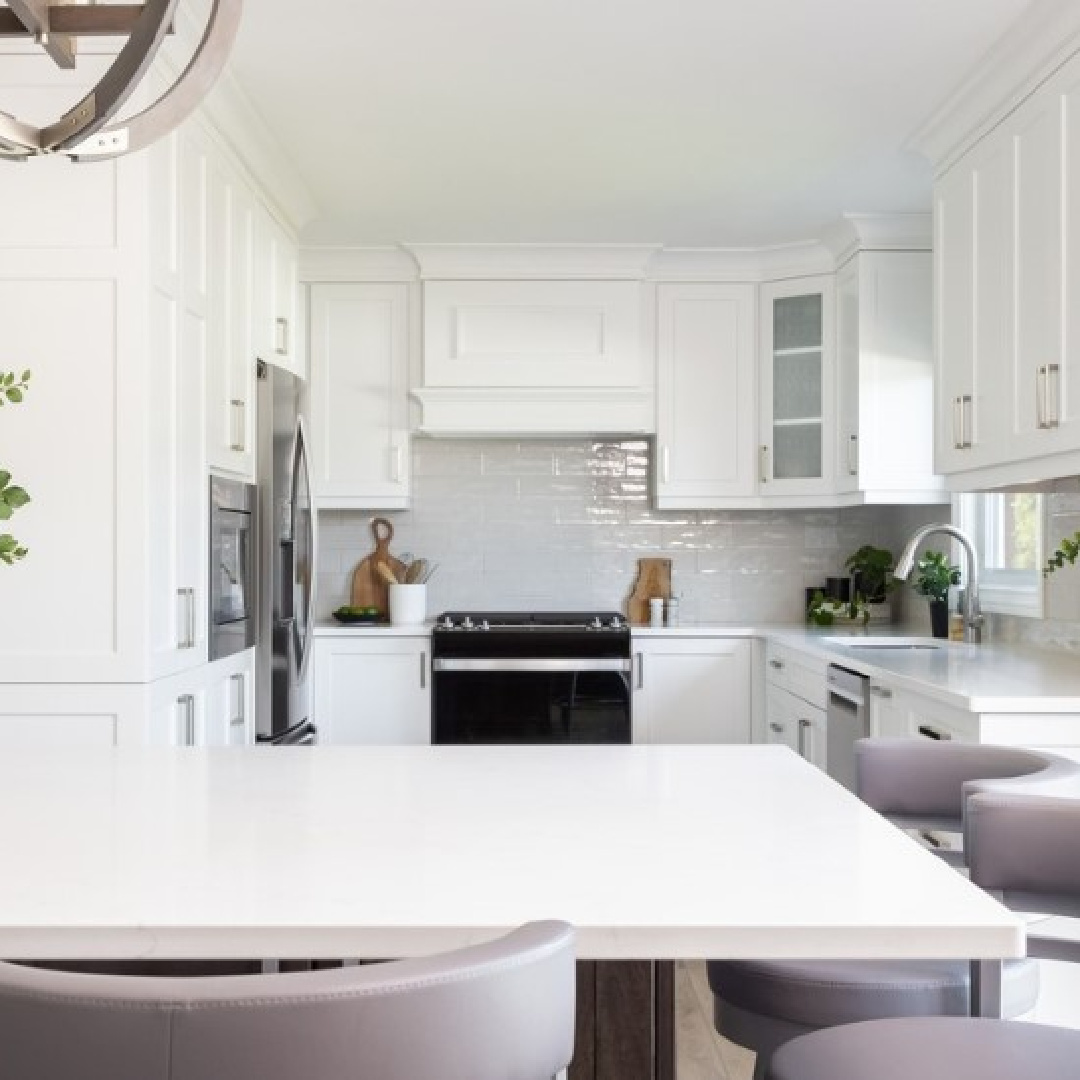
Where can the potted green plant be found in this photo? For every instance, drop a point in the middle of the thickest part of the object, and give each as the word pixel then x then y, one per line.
pixel 871 579
pixel 935 575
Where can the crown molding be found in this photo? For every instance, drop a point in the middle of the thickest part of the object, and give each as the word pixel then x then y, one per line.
pixel 1033 48
pixel 879 232
pixel 741 264
pixel 243 133
pixel 357 264
pixel 550 262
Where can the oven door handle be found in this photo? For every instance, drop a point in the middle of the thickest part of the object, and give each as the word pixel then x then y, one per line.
pixel 525 665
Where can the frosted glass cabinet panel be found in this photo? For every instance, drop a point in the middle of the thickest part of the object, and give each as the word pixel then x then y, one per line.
pixel 797 376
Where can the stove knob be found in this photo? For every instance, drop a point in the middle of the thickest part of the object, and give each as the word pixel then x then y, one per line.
pixel 447 623
pixel 485 625
pixel 467 623
pixel 616 623
pixel 596 624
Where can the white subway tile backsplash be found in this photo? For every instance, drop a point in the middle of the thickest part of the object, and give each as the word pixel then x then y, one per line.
pixel 562 523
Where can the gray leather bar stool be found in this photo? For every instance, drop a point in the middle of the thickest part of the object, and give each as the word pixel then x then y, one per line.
pixel 503 1010
pixel 917 784
pixel 1027 849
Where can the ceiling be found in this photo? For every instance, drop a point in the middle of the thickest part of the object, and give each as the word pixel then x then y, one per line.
pixel 717 123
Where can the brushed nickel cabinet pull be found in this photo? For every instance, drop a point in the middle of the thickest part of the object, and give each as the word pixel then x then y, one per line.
pixel 187 703
pixel 778 664
pixel 764 464
pixel 423 671
pixel 1053 395
pixel 281 343
pixel 186 618
pixel 639 661
pixel 1040 398
pixel 958 424
pixel 853 455
pixel 395 465
pixel 933 733
pixel 238 442
pixel 967 422
pixel 881 691
pixel 240 715
pixel 776 728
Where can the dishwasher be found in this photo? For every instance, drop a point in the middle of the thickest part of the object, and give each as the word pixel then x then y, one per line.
pixel 847 719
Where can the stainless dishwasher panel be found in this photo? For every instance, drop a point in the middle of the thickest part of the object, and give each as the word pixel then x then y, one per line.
pixel 847 720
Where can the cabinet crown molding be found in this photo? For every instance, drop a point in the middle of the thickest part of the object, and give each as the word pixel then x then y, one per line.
pixel 550 262
pixel 1032 49
pixel 880 232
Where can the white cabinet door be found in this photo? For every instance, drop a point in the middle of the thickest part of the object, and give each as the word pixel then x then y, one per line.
pixel 692 690
pixel 358 395
pixel 230 695
pixel 178 711
pixel 797 387
pixel 781 723
pixel 372 691
pixel 275 302
pixel 888 717
pixel 848 345
pixel 706 431
pixel 179 327
pixel 230 377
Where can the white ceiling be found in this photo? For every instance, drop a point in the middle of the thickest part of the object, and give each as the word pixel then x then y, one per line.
pixel 684 122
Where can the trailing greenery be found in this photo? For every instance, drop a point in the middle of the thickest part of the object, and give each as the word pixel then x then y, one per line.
pixel 12 497
pixel 1067 552
pixel 936 575
pixel 872 568
pixel 824 611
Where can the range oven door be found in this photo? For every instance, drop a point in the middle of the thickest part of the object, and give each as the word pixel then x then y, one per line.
pixel 531 701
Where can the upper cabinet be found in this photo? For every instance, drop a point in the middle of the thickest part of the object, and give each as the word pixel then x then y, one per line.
pixel 535 357
pixel 1007 250
pixel 277 333
pixel 358 395
pixel 797 422
pixel 706 437
pixel 885 372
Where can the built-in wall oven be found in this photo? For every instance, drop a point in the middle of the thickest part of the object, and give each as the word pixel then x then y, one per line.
pixel 233 607
pixel 511 678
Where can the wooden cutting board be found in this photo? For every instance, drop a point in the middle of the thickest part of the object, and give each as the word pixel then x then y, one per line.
pixel 654 579
pixel 368 588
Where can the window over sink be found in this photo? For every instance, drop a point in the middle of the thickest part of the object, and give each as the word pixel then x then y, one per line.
pixel 1007 528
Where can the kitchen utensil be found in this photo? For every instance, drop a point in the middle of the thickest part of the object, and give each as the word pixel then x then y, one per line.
pixel 429 573
pixel 414 575
pixel 387 574
pixel 369 589
pixel 656 611
pixel 653 580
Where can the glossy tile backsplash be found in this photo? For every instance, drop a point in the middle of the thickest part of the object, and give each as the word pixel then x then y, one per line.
pixel 561 524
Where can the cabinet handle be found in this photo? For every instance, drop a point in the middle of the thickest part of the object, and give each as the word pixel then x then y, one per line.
pixel 1053 395
pixel 881 691
pixel 395 464
pixel 933 733
pixel 639 663
pixel 240 716
pixel 186 618
pixel 778 664
pixel 776 728
pixel 804 725
pixel 239 433
pixel 853 455
pixel 281 342
pixel 187 703
pixel 764 464
pixel 967 422
pixel 958 424
pixel 423 671
pixel 665 464
pixel 1040 397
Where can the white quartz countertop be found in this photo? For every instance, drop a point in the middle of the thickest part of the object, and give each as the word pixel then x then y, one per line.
pixel 661 852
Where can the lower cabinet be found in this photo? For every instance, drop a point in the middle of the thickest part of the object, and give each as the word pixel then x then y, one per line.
pixel 211 706
pixel 691 690
pixel 790 721
pixel 372 690
pixel 78 715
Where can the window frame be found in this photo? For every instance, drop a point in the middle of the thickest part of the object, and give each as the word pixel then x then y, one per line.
pixel 1001 591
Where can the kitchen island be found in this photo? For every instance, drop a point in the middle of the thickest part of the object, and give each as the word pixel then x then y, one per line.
pixel 654 853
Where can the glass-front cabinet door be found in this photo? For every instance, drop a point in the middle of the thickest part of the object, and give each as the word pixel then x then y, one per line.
pixel 797 392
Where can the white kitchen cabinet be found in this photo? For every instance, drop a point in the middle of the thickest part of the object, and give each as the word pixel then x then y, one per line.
pixel 706 442
pixel 178 710
pixel 535 357
pixel 372 690
pixel 1008 404
pixel 885 412
pixel 797 386
pixel 180 329
pixel 358 395
pixel 796 696
pixel 71 714
pixel 276 295
pixel 230 701
pixel 231 361
pixel 691 690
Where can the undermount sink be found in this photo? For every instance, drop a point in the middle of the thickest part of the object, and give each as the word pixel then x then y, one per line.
pixel 894 644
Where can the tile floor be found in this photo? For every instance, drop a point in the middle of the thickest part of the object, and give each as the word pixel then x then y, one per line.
pixel 702 1054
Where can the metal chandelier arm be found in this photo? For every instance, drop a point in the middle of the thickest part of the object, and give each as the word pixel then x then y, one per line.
pixel 173 107
pixel 105 100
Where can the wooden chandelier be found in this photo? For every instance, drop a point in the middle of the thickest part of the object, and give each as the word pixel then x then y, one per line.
pixel 87 131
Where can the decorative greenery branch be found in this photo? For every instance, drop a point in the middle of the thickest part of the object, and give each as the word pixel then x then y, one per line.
pixel 1068 551
pixel 12 497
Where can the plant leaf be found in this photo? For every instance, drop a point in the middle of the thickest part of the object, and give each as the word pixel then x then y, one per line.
pixel 26 376
pixel 16 497
pixel 14 394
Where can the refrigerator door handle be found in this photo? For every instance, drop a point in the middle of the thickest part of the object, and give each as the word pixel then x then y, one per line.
pixel 302 469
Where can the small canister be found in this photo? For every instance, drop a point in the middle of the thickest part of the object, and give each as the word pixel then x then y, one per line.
pixel 671 611
pixel 656 611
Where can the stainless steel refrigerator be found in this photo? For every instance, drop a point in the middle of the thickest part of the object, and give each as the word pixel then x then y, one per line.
pixel 286 561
